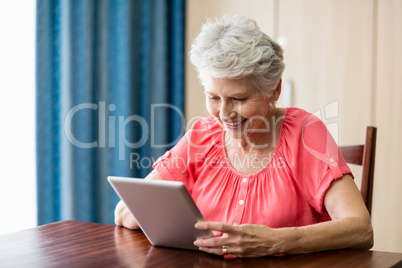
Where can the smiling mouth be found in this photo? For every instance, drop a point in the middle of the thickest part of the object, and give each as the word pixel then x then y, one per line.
pixel 235 124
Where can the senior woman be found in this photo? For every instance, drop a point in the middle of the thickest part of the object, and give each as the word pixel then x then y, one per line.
pixel 268 180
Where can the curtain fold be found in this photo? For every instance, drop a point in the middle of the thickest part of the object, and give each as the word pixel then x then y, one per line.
pixel 109 96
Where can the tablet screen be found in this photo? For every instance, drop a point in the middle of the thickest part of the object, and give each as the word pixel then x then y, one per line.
pixel 164 210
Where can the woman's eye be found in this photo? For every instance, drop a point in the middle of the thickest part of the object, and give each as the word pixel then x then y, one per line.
pixel 239 100
pixel 213 98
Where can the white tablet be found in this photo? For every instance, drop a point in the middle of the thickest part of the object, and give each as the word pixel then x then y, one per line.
pixel 164 210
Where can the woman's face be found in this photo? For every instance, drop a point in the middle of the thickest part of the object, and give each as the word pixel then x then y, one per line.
pixel 238 106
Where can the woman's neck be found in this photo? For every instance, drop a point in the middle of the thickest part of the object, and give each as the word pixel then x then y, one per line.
pixel 261 140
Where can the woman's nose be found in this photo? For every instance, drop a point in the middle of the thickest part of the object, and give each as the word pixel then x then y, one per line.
pixel 226 111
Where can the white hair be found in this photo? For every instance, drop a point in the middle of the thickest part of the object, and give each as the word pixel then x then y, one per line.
pixel 234 47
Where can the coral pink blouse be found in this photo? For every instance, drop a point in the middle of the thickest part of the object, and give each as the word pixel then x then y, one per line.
pixel 289 191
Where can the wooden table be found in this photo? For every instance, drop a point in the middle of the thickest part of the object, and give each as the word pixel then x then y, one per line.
pixel 82 244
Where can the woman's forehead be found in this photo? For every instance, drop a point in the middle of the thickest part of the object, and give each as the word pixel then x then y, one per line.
pixel 232 86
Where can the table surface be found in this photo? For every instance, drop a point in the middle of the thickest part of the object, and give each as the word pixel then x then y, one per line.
pixel 82 244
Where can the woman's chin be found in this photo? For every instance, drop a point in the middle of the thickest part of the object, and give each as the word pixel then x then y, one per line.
pixel 238 135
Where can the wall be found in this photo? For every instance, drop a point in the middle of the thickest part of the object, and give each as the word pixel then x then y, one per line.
pixel 339 54
pixel 17 116
pixel 387 211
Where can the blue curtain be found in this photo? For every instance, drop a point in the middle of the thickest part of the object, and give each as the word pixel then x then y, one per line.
pixel 109 99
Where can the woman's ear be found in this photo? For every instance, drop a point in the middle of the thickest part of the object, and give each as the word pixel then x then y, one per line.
pixel 278 90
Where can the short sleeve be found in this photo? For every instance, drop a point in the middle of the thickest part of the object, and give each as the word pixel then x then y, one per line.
pixel 319 161
pixel 174 164
pixel 185 160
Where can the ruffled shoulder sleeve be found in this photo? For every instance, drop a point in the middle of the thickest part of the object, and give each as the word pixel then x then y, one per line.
pixel 312 154
pixel 183 161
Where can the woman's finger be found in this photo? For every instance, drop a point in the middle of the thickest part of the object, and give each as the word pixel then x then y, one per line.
pixel 212 242
pixel 217 226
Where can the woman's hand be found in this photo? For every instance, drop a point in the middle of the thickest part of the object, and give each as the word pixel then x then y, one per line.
pixel 350 227
pixel 247 240
pixel 123 217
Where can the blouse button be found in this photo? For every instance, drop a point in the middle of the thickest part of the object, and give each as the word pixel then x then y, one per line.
pixel 244 180
pixel 235 223
pixel 241 202
pixel 331 160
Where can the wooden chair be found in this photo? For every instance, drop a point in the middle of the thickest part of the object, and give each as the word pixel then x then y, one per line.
pixel 364 155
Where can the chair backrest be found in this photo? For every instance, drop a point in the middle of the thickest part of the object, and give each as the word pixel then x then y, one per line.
pixel 364 155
